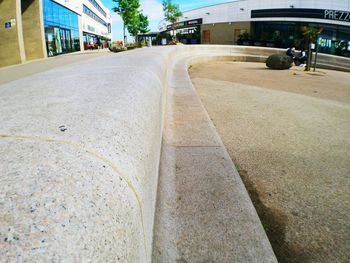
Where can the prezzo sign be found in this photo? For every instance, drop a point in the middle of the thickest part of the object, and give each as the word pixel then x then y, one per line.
pixel 303 12
pixel 337 15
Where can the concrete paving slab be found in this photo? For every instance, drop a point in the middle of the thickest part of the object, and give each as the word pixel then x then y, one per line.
pixel 186 122
pixel 210 218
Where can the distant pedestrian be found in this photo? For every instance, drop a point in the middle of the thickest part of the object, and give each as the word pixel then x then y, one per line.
pixel 291 52
pixel 50 51
pixel 302 58
pixel 91 43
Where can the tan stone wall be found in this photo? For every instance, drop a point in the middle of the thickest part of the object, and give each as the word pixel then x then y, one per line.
pixel 224 33
pixel 31 24
pixel 9 44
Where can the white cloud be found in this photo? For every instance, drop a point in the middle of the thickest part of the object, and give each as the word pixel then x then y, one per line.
pixel 117 27
pixel 154 10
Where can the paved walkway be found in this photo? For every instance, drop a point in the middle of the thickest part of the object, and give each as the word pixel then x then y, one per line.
pixel 19 71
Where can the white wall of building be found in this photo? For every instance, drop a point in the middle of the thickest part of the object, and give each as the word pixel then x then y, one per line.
pixel 317 4
pixel 240 10
pixel 92 26
pixel 89 24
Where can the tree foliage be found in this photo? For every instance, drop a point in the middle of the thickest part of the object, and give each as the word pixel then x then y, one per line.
pixel 139 24
pixel 311 33
pixel 128 10
pixel 133 26
pixel 143 23
pixel 134 20
pixel 171 13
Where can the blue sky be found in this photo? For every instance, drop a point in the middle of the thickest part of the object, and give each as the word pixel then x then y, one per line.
pixel 153 8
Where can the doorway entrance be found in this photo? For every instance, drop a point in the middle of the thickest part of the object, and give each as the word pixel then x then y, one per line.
pixel 58 41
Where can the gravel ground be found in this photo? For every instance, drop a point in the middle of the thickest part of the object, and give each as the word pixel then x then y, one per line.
pixel 288 132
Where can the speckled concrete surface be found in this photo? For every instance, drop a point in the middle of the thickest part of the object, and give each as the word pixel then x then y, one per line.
pixel 80 147
pixel 29 68
pixel 291 143
pixel 58 197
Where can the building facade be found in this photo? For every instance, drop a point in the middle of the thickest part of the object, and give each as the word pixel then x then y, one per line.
pixel 34 29
pixel 272 23
pixel 96 24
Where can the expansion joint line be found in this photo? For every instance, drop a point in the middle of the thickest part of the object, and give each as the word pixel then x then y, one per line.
pixel 95 154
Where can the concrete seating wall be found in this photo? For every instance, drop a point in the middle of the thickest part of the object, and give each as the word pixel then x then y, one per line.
pixel 79 155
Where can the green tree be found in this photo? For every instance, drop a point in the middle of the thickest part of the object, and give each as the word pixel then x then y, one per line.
pixel 311 34
pixel 171 13
pixel 138 24
pixel 128 10
pixel 133 26
pixel 144 23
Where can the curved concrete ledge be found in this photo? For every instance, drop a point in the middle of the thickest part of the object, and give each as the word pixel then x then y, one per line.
pixel 333 62
pixel 80 148
pixel 79 157
pixel 204 213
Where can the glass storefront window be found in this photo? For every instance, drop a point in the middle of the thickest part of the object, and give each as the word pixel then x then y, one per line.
pixel 94 42
pixel 61 29
pixel 334 39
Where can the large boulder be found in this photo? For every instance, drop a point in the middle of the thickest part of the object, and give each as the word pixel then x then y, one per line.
pixel 277 61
